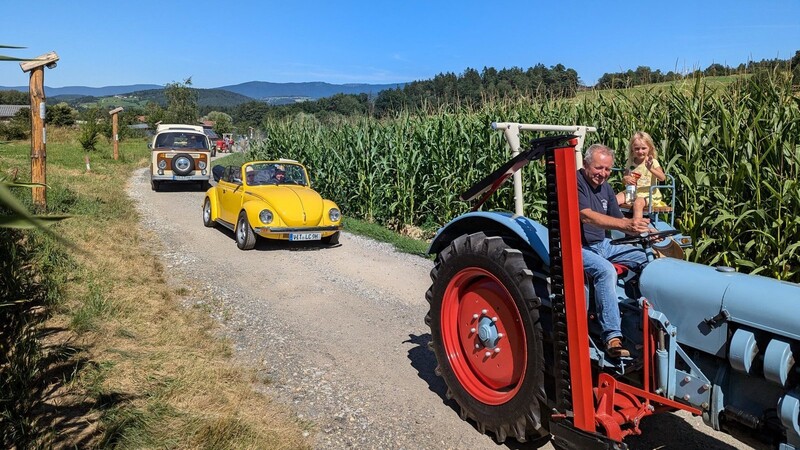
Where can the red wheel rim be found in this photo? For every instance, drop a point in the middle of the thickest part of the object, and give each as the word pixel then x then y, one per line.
pixel 490 376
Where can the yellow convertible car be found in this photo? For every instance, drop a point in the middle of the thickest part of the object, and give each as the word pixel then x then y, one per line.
pixel 271 199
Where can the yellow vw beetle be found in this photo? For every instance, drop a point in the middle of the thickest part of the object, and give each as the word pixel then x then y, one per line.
pixel 271 199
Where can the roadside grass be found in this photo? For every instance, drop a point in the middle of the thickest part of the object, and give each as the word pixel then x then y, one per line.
pixel 401 242
pixel 380 233
pixel 138 369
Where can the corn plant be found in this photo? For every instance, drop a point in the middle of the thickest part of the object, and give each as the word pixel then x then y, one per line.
pixel 733 150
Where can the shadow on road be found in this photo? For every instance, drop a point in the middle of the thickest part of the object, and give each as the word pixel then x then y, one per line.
pixel 662 431
pixel 424 361
pixel 271 245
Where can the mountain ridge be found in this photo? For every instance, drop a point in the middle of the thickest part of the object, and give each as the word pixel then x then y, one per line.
pixel 258 90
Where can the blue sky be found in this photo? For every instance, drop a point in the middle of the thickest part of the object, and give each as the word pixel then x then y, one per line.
pixel 107 43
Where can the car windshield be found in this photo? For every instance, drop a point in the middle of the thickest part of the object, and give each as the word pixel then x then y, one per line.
pixel 260 174
pixel 181 140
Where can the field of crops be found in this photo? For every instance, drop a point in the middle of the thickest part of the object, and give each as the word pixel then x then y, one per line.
pixel 735 152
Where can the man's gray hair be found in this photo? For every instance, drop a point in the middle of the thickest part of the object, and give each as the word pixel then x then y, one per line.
pixel 597 148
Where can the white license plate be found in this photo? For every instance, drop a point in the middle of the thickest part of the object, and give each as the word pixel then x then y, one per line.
pixel 181 177
pixel 305 236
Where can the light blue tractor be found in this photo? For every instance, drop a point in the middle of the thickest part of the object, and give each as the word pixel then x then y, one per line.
pixel 516 341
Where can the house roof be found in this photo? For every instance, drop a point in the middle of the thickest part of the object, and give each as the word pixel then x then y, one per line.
pixel 11 110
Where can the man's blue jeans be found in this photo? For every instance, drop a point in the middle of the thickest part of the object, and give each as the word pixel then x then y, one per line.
pixel 597 259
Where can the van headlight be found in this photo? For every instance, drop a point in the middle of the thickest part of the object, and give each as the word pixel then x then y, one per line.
pixel 265 216
pixel 162 164
pixel 201 165
pixel 334 215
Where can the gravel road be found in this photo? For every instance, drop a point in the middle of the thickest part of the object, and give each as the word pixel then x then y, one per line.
pixel 340 332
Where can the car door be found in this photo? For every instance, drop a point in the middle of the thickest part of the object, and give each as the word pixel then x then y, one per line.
pixel 231 194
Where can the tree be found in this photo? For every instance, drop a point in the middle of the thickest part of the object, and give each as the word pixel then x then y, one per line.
pixel 19 127
pixel 91 128
pixel 250 114
pixel 181 103
pixel 222 122
pixel 389 101
pixel 153 113
pixel 60 115
pixel 715 70
pixel 14 98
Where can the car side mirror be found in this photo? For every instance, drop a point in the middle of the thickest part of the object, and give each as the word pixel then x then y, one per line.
pixel 150 145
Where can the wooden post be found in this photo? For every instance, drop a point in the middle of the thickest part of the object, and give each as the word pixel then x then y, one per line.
pixel 38 130
pixel 38 137
pixel 115 134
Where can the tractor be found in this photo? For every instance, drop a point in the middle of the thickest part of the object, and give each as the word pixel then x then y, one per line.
pixel 517 342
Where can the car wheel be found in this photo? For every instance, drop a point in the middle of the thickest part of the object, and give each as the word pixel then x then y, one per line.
pixel 155 185
pixel 332 239
pixel 245 237
pixel 182 164
pixel 207 213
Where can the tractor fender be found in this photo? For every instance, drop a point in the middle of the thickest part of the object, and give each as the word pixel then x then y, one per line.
pixel 529 232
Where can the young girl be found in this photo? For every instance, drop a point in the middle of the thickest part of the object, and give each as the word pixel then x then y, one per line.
pixel 641 167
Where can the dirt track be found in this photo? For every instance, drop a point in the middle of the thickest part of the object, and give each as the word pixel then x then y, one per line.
pixel 340 331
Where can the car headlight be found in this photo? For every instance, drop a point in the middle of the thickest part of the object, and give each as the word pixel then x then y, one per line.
pixel 265 216
pixel 162 164
pixel 334 215
pixel 201 165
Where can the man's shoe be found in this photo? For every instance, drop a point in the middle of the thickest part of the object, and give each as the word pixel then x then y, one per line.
pixel 615 349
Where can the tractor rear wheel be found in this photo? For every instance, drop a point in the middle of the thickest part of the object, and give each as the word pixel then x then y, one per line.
pixel 486 335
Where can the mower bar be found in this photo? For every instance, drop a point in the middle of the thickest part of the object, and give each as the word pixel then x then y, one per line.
pixel 492 182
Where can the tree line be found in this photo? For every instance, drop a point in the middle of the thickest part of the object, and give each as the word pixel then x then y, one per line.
pixel 645 75
pixel 470 89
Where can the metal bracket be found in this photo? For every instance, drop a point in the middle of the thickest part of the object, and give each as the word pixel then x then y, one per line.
pixel 714 322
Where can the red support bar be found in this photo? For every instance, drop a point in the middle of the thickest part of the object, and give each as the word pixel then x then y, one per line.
pixel 574 297
pixel 646 349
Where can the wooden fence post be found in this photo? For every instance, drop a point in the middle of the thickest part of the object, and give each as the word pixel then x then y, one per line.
pixel 38 130
pixel 114 133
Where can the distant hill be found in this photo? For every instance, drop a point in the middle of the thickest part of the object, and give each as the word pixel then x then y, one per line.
pixel 84 91
pixel 264 90
pixel 205 97
pixel 274 93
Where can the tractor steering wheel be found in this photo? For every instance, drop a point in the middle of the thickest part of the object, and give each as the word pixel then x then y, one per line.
pixel 644 239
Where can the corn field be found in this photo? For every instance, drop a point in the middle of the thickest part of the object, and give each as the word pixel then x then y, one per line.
pixel 734 152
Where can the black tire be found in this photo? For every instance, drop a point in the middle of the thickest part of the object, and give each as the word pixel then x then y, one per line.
pixel 486 274
pixel 245 237
pixel 182 164
pixel 332 239
pixel 155 185
pixel 207 213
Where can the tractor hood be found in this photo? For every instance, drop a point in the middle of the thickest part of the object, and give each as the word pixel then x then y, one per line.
pixel 688 293
pixel 296 206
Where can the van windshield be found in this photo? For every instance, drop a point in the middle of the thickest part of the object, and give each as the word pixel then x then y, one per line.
pixel 181 140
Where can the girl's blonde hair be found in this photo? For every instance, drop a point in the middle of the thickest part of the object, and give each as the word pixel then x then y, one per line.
pixel 648 141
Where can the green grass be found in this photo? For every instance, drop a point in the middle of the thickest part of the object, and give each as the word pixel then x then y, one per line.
pixel 149 374
pixel 96 307
pixel 380 233
pixel 685 85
